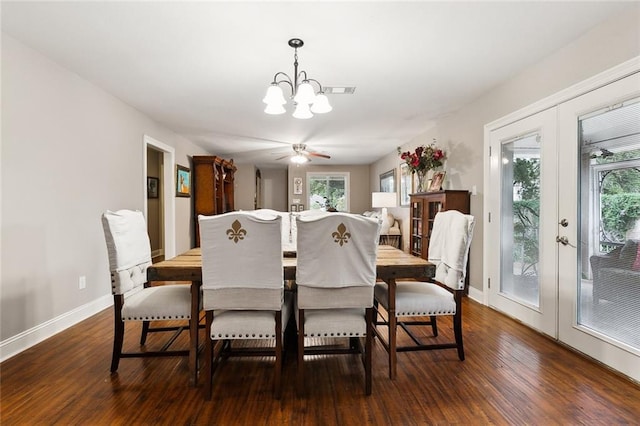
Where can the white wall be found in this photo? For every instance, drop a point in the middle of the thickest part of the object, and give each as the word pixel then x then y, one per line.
pixel 69 152
pixel 244 187
pixel 461 133
pixel 274 189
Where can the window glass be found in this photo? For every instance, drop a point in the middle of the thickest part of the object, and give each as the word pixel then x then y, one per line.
pixel 328 191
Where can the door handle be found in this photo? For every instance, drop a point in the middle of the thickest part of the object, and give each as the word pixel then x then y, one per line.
pixel 564 223
pixel 564 241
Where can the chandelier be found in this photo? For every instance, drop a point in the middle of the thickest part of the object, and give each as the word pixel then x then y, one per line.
pixel 305 99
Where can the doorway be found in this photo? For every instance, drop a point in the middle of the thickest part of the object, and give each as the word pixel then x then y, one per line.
pixel 159 162
pixel 524 177
pixel 155 198
pixel 563 204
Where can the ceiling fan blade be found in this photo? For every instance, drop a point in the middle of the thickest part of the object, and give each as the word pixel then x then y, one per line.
pixel 283 157
pixel 317 154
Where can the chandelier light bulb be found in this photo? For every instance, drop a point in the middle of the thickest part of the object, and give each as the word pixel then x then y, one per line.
pixel 305 94
pixel 275 109
pixel 321 104
pixel 274 95
pixel 302 111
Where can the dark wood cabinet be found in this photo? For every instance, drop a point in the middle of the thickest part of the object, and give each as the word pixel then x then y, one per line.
pixel 213 186
pixel 424 207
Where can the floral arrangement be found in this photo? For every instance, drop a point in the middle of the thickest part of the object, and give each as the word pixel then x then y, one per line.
pixel 424 158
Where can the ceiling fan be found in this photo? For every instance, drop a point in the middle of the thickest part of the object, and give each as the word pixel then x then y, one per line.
pixel 301 155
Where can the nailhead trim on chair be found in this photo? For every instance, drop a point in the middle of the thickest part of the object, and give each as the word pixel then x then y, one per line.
pixel 401 314
pixel 154 318
pixel 234 336
pixel 344 334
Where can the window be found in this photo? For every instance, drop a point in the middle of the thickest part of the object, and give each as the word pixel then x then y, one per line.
pixel 328 191
pixel 610 142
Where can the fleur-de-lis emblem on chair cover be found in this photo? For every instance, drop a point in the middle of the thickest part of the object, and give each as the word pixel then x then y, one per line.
pixel 341 236
pixel 236 233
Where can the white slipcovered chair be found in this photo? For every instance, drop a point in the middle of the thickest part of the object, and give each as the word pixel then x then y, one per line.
pixel 134 299
pixel 335 275
pixel 288 238
pixel 448 249
pixel 243 288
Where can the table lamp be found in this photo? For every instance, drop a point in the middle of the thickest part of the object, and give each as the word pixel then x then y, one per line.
pixel 383 200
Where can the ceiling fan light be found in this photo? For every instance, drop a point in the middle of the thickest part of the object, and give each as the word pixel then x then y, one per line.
pixel 305 93
pixel 299 159
pixel 274 96
pixel 275 109
pixel 321 105
pixel 302 112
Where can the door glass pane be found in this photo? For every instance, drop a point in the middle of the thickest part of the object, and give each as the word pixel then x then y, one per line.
pixel 609 262
pixel 520 219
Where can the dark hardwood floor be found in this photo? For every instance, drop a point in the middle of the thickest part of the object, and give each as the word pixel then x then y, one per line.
pixel 512 375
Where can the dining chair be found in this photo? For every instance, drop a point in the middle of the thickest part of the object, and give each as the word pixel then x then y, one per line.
pixel 243 289
pixel 134 299
pixel 335 277
pixel 449 244
pixel 288 238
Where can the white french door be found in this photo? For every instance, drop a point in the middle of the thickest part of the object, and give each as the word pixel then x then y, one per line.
pixel 523 221
pixel 563 199
pixel 600 137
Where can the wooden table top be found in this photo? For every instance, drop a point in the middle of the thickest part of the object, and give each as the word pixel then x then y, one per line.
pixel 391 263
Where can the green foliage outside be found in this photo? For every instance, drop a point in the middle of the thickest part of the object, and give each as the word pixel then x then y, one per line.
pixel 327 193
pixel 619 198
pixel 619 214
pixel 526 214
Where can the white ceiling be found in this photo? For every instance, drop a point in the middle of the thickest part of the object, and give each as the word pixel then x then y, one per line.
pixel 202 68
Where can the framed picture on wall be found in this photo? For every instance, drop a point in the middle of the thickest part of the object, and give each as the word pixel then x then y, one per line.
pixel 300 207
pixel 183 181
pixel 388 181
pixel 152 187
pixel 297 186
pixel 294 208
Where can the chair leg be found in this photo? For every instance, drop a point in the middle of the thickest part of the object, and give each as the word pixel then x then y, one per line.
pixel 208 356
pixel 375 315
pixel 300 378
pixel 367 351
pixel 457 324
pixel 434 325
pixel 393 356
pixel 392 321
pixel 118 332
pixel 278 367
pixel 145 331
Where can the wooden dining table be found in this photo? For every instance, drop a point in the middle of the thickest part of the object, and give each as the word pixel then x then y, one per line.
pixel 391 264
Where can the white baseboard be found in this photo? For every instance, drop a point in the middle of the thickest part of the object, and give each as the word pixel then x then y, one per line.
pixel 477 295
pixel 22 341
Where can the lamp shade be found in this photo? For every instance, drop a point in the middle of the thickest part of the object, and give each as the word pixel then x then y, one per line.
pixel 305 94
pixel 274 109
pixel 321 104
pixel 302 111
pixel 299 159
pixel 383 199
pixel 274 96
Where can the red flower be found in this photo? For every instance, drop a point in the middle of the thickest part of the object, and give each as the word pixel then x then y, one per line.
pixel 423 158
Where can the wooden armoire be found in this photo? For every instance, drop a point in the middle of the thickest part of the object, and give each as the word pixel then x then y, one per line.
pixel 212 187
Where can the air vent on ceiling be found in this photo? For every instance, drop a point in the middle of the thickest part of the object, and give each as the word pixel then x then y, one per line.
pixel 339 90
